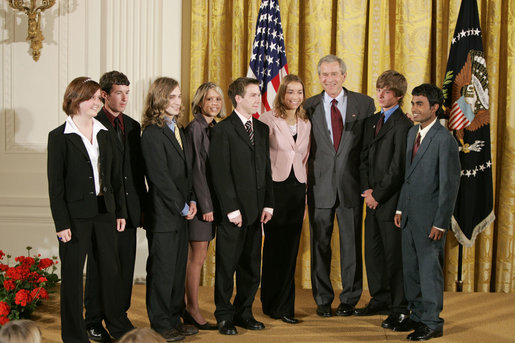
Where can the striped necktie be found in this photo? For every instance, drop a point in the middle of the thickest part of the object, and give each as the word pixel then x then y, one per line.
pixel 178 135
pixel 248 127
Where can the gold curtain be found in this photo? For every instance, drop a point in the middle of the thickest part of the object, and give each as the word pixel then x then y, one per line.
pixel 410 36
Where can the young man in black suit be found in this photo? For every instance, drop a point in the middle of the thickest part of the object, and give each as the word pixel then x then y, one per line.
pixel 240 163
pixel 125 132
pixel 382 174
pixel 424 211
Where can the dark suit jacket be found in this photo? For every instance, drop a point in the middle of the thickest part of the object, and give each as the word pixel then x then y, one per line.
pixel 198 135
pixel 71 186
pixel 431 181
pixel 241 171
pixel 168 171
pixel 383 159
pixel 331 173
pixel 133 168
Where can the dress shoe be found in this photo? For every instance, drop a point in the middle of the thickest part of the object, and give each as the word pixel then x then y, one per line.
pixel 424 333
pixel 226 327
pixel 407 324
pixel 371 310
pixel 249 324
pixel 172 335
pixel 324 310
pixel 394 320
pixel 97 333
pixel 186 330
pixel 188 319
pixel 289 320
pixel 345 310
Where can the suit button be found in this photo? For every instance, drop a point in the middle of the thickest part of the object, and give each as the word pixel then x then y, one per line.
pixel 125 177
pixel 91 177
pixel 126 193
pixel 91 193
pixel 104 189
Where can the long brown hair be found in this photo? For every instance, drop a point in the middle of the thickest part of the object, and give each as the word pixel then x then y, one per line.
pixel 157 102
pixel 279 105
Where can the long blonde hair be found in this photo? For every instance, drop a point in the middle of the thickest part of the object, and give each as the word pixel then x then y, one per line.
pixel 200 94
pixel 157 102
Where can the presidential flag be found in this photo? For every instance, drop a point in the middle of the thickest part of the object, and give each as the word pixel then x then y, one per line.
pixel 467 107
pixel 268 59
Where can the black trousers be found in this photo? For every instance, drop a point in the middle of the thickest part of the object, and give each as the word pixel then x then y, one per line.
pixel 282 238
pixel 238 250
pixel 321 222
pixel 93 291
pixel 97 233
pixel 166 272
pixel 383 256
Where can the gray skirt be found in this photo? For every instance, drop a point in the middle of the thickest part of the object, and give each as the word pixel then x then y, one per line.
pixel 199 230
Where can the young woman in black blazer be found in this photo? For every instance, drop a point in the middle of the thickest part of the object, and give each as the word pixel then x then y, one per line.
pixel 86 200
pixel 207 104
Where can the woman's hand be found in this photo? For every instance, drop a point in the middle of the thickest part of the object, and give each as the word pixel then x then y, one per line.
pixel 120 224
pixel 208 217
pixel 64 235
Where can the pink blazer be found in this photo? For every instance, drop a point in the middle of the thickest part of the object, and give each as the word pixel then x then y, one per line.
pixel 285 152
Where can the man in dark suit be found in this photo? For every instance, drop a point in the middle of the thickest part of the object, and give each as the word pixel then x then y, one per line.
pixel 337 116
pixel 382 174
pixel 125 132
pixel 240 163
pixel 424 211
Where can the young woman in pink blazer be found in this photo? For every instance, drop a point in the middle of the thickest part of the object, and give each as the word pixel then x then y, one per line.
pixel 289 149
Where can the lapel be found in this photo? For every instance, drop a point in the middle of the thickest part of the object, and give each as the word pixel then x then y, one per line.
pixel 423 147
pixel 285 130
pixel 302 131
pixel 240 129
pixel 76 141
pixel 171 137
pixel 351 115
pixel 319 123
pixel 102 117
pixel 390 124
pixel 205 128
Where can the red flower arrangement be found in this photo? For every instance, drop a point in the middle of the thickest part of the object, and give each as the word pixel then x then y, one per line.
pixel 24 285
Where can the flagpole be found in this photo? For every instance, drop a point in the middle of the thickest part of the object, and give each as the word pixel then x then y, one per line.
pixel 459 282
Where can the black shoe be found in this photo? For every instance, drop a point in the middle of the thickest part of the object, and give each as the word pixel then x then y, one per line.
pixel 226 327
pixel 249 324
pixel 186 330
pixel 324 310
pixel 394 320
pixel 188 319
pixel 406 324
pixel 172 335
pixel 424 333
pixel 97 333
pixel 289 320
pixel 371 310
pixel 345 310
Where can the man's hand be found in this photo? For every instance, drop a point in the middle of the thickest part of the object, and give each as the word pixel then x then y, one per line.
pixel 265 217
pixel 369 199
pixel 397 219
pixel 193 210
pixel 64 235
pixel 436 234
pixel 238 221
pixel 208 217
pixel 120 224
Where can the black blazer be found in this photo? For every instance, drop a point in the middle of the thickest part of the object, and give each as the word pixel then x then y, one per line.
pixel 383 160
pixel 241 171
pixel 70 178
pixel 168 171
pixel 133 170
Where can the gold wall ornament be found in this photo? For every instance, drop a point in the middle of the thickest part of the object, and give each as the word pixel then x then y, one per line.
pixel 34 17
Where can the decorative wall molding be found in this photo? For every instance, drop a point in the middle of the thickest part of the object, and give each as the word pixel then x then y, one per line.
pixel 29 210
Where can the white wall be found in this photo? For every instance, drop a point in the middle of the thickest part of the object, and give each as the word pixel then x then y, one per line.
pixel 82 38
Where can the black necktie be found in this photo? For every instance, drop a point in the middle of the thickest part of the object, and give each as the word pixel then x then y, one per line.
pixel 380 123
pixel 118 129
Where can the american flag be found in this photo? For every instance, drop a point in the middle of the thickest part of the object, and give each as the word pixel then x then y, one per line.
pixel 268 60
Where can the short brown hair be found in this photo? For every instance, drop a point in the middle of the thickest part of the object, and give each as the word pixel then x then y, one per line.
pixel 394 81
pixel 157 102
pixel 80 89
pixel 280 106
pixel 20 331
pixel 112 78
pixel 237 87
pixel 142 335
pixel 200 94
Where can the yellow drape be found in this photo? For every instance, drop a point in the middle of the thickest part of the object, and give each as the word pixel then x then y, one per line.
pixel 410 36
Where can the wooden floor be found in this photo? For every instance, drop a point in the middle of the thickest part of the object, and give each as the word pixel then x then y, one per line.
pixel 469 317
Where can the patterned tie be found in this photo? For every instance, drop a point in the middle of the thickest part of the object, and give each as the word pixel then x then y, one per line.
pixel 416 145
pixel 178 135
pixel 248 127
pixel 380 123
pixel 336 123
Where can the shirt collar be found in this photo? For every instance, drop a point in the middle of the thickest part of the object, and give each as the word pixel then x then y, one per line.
pixel 424 131
pixel 389 112
pixel 171 123
pixel 70 127
pixel 242 118
pixel 110 116
pixel 339 97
